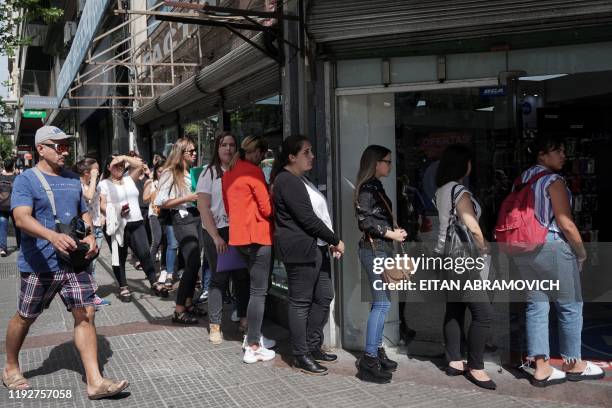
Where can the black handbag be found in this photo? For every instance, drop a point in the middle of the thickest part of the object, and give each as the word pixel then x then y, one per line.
pixel 459 242
pixel 77 230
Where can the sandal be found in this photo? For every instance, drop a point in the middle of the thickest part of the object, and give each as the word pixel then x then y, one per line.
pixel 16 382
pixel 108 388
pixel 124 294
pixel 159 289
pixel 184 318
pixel 195 311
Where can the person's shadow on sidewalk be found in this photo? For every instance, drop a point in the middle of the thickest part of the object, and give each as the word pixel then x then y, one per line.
pixel 66 357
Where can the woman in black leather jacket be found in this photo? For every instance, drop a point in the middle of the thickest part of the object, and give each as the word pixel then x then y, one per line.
pixel 376 223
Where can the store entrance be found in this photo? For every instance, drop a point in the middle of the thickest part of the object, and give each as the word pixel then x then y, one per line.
pixel 579 108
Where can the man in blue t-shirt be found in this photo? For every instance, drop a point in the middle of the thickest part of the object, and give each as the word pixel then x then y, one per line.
pixel 43 274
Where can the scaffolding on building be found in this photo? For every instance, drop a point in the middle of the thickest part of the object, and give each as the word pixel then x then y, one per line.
pixel 138 58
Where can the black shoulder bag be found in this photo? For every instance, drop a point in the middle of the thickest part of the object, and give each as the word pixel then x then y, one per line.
pixel 459 242
pixel 77 230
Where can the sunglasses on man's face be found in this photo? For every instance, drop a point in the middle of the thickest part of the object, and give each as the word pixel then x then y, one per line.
pixel 59 148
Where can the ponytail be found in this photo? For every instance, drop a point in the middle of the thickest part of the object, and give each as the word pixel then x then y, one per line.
pixel 249 145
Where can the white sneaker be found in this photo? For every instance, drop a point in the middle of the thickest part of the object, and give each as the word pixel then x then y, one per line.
pixel 261 354
pixel 163 274
pixel 235 317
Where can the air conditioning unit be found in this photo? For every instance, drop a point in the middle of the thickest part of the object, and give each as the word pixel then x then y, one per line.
pixel 69 31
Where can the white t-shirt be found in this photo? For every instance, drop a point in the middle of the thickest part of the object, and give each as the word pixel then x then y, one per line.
pixel 444 205
pixel 120 194
pixel 212 186
pixel 319 206
pixel 168 190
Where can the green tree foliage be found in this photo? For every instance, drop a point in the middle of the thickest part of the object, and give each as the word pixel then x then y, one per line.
pixel 10 17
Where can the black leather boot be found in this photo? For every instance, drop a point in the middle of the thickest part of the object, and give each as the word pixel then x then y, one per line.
pixel 323 358
pixel 385 362
pixel 370 370
pixel 308 365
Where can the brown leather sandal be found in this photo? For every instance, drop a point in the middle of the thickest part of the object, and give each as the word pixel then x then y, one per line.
pixel 108 388
pixel 16 382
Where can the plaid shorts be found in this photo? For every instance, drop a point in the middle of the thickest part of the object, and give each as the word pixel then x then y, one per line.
pixel 39 289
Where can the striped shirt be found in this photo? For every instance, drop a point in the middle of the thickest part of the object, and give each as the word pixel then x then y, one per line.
pixel 543 204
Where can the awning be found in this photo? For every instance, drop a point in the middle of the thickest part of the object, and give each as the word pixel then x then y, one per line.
pixel 236 65
pixel 347 28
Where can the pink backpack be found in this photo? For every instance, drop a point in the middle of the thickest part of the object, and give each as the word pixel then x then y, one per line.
pixel 517 230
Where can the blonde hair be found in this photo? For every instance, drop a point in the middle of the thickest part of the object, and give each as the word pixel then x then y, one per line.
pixel 176 164
pixel 248 145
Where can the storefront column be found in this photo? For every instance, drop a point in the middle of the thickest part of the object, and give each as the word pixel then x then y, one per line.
pixel 293 77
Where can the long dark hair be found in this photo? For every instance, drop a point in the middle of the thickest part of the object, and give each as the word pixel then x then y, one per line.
pixel 248 145
pixel 367 165
pixel 83 165
pixel 216 160
pixel 290 146
pixel 544 144
pixel 453 164
pixel 106 171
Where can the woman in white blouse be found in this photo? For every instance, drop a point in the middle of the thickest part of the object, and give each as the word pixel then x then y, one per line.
pixel 124 223
pixel 175 194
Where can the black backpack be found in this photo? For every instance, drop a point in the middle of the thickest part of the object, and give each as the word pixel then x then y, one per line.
pixel 6 187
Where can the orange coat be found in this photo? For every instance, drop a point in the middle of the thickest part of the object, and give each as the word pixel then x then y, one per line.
pixel 247 202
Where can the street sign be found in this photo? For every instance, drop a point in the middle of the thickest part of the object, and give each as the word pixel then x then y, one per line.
pixel 39 102
pixel 33 114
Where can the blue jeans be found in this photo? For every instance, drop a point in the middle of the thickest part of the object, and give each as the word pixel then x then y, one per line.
pixel 556 261
pixel 381 300
pixel 171 247
pixel 4 220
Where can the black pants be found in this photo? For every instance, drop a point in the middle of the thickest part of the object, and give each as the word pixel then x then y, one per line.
pixel 219 281
pixel 158 235
pixel 259 260
pixel 310 294
pixel 134 236
pixel 187 231
pixel 477 334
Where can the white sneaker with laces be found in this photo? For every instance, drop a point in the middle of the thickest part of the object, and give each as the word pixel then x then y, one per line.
pixel 163 274
pixel 261 354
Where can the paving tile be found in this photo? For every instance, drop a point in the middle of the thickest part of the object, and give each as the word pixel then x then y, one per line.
pixel 263 394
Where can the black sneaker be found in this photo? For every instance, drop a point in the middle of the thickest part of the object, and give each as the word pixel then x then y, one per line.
pixel 385 362
pixel 370 370
pixel 323 358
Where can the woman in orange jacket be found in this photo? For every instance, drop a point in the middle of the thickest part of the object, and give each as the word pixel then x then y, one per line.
pixel 249 209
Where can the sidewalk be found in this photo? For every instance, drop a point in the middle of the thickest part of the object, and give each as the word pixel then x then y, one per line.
pixel 171 366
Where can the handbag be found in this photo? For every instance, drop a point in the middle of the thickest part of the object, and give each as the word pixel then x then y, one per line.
pixel 77 230
pixel 164 216
pixel 231 260
pixel 396 273
pixel 459 242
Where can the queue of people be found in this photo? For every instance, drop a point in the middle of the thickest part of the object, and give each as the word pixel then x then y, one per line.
pixel 239 222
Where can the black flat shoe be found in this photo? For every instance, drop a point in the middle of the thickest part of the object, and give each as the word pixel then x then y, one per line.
pixel 308 365
pixel 453 372
pixel 487 385
pixel 323 358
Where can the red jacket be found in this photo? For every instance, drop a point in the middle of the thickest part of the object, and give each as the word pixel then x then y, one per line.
pixel 248 206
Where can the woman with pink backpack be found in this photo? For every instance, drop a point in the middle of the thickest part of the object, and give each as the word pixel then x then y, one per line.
pixel 560 257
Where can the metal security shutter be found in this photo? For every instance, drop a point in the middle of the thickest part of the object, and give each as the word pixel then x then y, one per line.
pixel 234 66
pixel 200 109
pixel 258 86
pixel 344 25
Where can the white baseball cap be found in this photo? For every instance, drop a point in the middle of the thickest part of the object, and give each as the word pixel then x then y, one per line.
pixel 49 133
